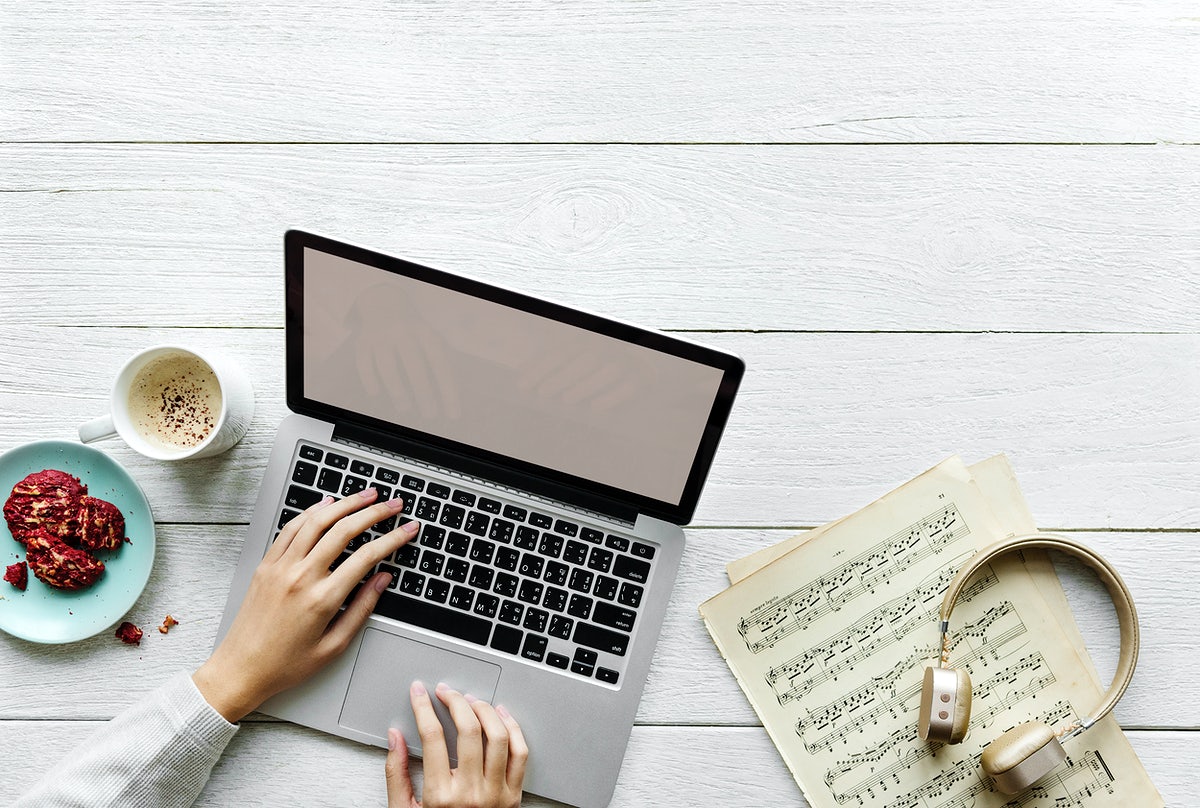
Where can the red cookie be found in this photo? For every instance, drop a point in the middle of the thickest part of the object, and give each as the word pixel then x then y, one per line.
pixel 56 563
pixel 46 500
pixel 101 524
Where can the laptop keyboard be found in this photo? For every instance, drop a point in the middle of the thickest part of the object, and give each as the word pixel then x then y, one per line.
pixel 552 591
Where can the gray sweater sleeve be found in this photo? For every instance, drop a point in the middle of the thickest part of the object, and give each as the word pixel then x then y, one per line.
pixel 159 752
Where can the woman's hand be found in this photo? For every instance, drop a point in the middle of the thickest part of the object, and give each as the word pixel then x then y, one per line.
pixel 491 756
pixel 285 630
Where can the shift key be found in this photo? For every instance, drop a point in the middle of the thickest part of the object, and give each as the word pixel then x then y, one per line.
pixel 601 639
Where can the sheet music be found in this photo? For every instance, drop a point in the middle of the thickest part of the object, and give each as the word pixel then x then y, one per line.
pixel 829 641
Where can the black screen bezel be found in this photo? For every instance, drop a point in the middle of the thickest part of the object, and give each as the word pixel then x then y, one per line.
pixel 537 479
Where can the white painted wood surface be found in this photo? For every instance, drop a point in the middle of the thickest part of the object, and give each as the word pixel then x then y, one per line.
pixel 1009 262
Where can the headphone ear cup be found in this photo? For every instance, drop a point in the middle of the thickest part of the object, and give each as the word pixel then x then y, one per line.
pixel 945 705
pixel 1022 756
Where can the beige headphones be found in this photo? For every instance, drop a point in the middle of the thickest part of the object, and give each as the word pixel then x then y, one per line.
pixel 1026 752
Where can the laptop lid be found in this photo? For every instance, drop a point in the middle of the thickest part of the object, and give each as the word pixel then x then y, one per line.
pixel 506 386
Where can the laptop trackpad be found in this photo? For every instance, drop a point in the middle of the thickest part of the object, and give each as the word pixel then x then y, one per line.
pixel 385 668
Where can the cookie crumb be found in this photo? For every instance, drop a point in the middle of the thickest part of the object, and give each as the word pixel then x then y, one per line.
pixel 17 574
pixel 167 623
pixel 129 634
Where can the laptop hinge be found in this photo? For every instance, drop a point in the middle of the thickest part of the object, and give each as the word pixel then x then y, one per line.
pixel 460 465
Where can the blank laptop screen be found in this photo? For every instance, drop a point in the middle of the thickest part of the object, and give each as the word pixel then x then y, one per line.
pixel 491 376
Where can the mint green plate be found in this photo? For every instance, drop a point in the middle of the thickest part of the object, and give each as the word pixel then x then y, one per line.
pixel 44 614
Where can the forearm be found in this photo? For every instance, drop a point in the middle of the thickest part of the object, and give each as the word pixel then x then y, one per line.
pixel 158 752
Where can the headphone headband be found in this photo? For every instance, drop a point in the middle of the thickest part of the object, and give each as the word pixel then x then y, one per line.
pixel 1126 614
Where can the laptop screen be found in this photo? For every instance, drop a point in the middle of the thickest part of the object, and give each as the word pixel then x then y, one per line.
pixel 510 376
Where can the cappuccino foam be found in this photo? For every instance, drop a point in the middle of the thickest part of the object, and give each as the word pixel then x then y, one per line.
pixel 175 402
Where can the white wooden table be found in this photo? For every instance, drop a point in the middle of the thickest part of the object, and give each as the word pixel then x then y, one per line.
pixel 929 227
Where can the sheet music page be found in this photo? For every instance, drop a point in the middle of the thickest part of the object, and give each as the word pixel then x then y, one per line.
pixel 830 641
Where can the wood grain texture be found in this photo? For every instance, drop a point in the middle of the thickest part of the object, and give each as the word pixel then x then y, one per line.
pixel 1103 430
pixel 689 684
pixel 671 767
pixel 880 71
pixel 931 238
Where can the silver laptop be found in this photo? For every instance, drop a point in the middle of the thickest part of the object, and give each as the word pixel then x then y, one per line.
pixel 550 456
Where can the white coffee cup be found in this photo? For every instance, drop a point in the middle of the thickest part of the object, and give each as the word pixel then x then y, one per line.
pixel 204 404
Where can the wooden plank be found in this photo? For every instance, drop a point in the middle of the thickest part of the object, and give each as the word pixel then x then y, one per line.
pixel 821 71
pixel 1101 429
pixel 937 238
pixel 688 684
pixel 664 766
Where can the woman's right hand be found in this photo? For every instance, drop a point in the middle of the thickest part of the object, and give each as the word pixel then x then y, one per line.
pixel 491 755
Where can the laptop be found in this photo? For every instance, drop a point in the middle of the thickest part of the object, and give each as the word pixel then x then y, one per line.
pixel 550 456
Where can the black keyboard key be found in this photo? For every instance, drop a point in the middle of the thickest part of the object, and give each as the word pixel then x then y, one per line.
pixel 631 595
pixel 535 619
pixel 506 585
pixel 581 669
pixel 438 490
pixel 501 531
pixel 481 577
pixel 556 573
pixel 507 639
pixel 513 512
pixel 584 656
pixel 286 516
pixel 387 475
pixel 464 498
pixel 511 612
pixel 618 543
pixel 531 565
pixel 531 592
pixel 361 467
pixel 642 550
pixel 408 506
pixel 600 560
pixel 540 520
pixel 581 581
pixel 385 492
pixel 337 562
pixel 527 538
pixel 386 526
pixel 336 460
pixel 606 675
pixel 407 555
pixel 396 573
pixel 301 498
pixel 489 505
pixel 557 660
pixel 507 558
pixel 581 606
pixel 358 541
pixel 457 570
pixel 437 589
pixel 566 528
pixel 482 551
pixel 433 536
pixel 534 647
pixel 486 605
pixel 435 618
pixel 452 516
pixel 458 544
pixel 561 627
pixel 603 639
pixel 304 473
pixel 612 616
pixel 605 587
pixel 555 599
pixel 589 534
pixel 632 569
pixel 412 584
pixel 412 483
pixel 353 485
pixel 431 563
pixel 576 552
pixel 311 453
pixel 550 545
pixel 461 598
pixel 477 523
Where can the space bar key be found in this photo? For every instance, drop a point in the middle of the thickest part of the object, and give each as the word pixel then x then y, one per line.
pixel 435 618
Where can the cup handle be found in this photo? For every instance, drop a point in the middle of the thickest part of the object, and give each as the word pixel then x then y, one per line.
pixel 97 429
